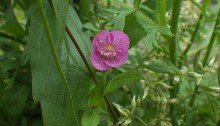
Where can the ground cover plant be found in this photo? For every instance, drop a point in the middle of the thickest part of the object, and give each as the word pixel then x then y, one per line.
pixel 109 62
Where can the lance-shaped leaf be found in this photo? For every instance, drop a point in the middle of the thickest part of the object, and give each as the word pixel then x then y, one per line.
pixel 159 67
pixel 125 78
pixel 47 85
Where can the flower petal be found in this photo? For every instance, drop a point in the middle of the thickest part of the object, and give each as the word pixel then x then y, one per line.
pixel 97 61
pixel 117 60
pixel 100 39
pixel 121 40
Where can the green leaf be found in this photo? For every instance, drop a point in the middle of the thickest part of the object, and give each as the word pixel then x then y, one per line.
pixel 112 11
pixel 96 97
pixel 119 21
pixel 9 81
pixel 171 65
pixel 133 29
pixel 90 26
pixel 164 31
pixel 12 26
pixel 137 3
pixel 159 67
pixel 90 118
pixel 47 85
pixel 147 9
pixel 84 8
pixel 125 78
pixel 8 65
pixel 140 15
pixel 18 96
pixel 61 7
pixel 151 41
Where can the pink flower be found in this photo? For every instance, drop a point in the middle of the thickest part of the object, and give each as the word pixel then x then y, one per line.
pixel 109 49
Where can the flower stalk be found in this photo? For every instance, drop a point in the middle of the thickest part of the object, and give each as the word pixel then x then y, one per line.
pixel 173 54
pixel 212 40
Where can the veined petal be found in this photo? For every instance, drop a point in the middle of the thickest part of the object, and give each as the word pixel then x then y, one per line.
pixel 100 39
pixel 109 49
pixel 121 40
pixel 117 60
pixel 97 60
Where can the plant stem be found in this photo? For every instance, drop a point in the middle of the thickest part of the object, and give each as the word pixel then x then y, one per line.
pixel 90 71
pixel 173 54
pixel 144 124
pixel 80 53
pixel 142 61
pixel 195 91
pixel 204 6
pixel 192 40
pixel 174 29
pixel 104 76
pixel 184 99
pixel 214 33
pixel 110 109
pixel 193 36
pixel 161 11
pixel 55 56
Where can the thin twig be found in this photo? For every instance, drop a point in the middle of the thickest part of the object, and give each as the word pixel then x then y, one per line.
pixel 144 59
pixel 80 53
pixel 110 109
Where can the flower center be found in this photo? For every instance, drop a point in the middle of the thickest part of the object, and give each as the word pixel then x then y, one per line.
pixel 109 51
pixel 109 47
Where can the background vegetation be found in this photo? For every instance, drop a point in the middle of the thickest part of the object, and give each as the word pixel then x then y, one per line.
pixel 172 75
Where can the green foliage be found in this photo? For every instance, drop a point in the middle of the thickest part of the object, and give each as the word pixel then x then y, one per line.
pixel 137 3
pixel 130 77
pixel 159 67
pixel 90 118
pixel 90 27
pixel 151 40
pixel 133 30
pixel 8 65
pixel 171 76
pixel 119 21
pixel 46 78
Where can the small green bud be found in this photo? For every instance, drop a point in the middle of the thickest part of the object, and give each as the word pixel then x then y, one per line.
pixel 133 102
